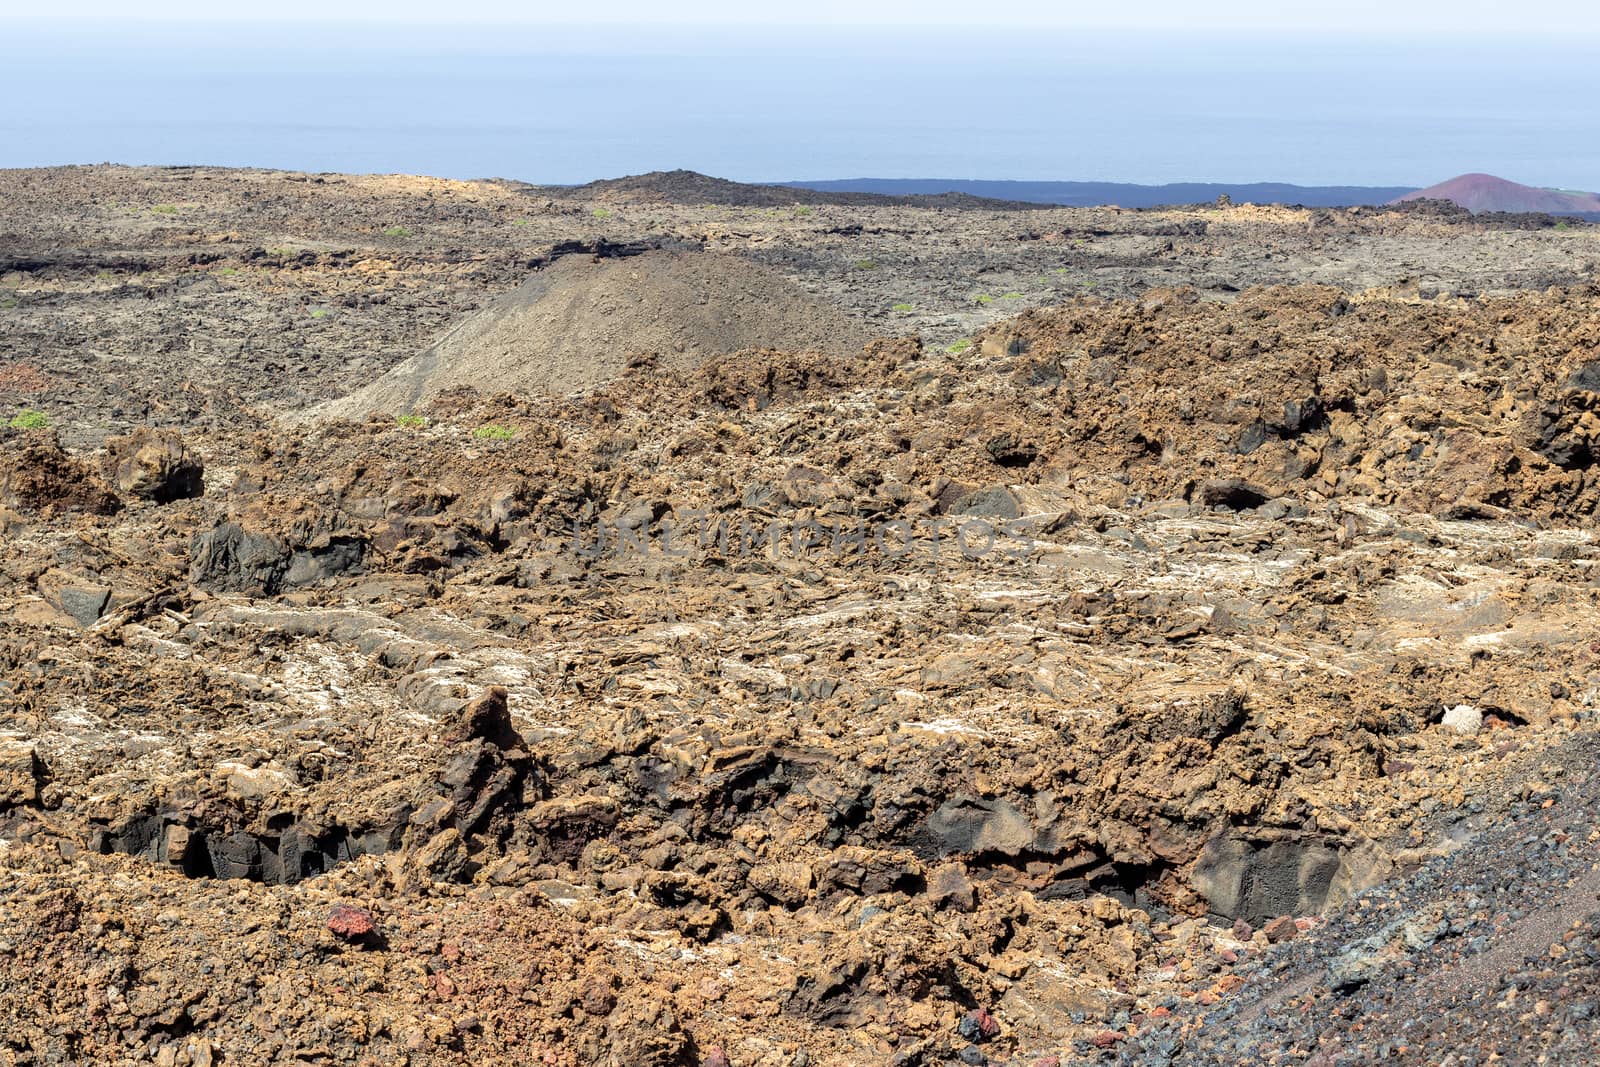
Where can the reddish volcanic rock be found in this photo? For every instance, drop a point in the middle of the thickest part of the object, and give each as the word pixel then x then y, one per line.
pixel 350 922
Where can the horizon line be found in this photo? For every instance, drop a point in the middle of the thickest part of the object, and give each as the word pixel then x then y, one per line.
pixel 1411 186
pixel 654 25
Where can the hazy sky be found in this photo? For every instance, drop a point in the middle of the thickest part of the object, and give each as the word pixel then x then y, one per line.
pixel 1185 97
pixel 1379 17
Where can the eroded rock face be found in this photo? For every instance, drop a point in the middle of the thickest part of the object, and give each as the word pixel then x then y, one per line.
pixel 232 559
pixel 38 476
pixel 486 773
pixel 971 826
pixel 480 784
pixel 22 774
pixel 154 465
pixel 277 855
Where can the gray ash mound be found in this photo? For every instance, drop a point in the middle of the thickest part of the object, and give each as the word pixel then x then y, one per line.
pixel 583 320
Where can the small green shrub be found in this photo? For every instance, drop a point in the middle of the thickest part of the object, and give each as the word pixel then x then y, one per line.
pixel 1563 224
pixel 490 432
pixel 397 231
pixel 521 222
pixel 29 419
pixel 320 313
pixel 960 346
pixel 984 298
pixel 8 303
pixel 1011 296
pixel 904 307
pixel 803 210
pixel 165 209
pixel 410 422
pixel 865 264
pixel 601 213
pixel 228 272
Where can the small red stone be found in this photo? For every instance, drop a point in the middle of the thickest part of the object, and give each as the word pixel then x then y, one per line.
pixel 715 1058
pixel 350 922
pixel 1106 1038
pixel 1047 1061
pixel 1282 928
pixel 988 1025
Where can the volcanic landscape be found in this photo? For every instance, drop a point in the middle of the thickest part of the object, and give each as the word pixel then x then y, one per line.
pixel 672 623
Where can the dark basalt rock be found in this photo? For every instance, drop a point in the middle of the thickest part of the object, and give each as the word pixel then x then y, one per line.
pixel 1261 878
pixel 173 839
pixel 231 559
pixel 970 825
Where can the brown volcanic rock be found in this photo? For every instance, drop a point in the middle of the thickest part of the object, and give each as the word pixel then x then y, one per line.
pixel 297 293
pixel 154 465
pixel 583 794
pixel 804 806
pixel 38 475
pixel 1370 397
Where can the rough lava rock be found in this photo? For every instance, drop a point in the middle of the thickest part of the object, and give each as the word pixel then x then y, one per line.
pixel 351 923
pixel 152 464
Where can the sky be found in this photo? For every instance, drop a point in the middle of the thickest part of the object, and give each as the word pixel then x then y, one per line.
pixel 1355 92
pixel 1378 17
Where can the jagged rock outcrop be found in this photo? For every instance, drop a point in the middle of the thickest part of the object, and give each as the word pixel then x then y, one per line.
pixel 154 465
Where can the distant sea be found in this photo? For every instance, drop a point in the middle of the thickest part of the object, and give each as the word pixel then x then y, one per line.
pixel 571 105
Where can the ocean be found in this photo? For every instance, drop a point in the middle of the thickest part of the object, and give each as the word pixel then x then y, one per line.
pixel 571 105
